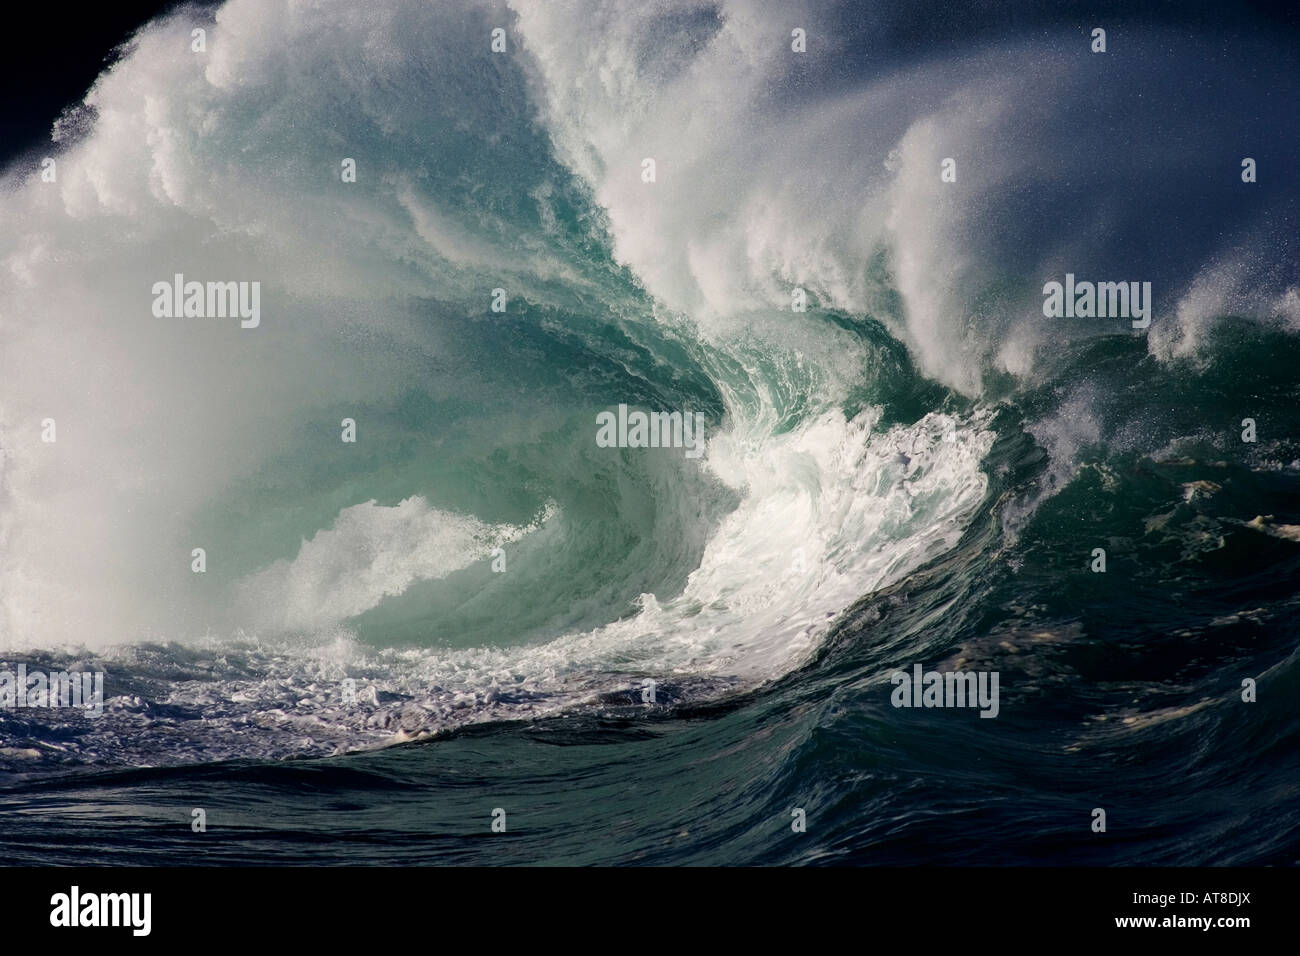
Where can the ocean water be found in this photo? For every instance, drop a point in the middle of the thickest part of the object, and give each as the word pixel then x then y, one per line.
pixel 459 612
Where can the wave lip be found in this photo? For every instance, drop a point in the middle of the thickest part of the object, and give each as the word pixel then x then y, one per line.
pixel 370 553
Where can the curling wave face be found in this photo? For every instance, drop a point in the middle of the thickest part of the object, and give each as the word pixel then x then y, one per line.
pixel 474 555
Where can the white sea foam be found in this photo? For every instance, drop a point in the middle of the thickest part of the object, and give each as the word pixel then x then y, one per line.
pixel 231 161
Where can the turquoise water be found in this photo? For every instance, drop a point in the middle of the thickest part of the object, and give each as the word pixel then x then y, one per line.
pixel 460 611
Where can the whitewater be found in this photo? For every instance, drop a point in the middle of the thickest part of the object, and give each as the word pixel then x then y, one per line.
pixel 847 447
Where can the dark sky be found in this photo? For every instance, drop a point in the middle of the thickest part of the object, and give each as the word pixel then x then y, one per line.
pixel 50 61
